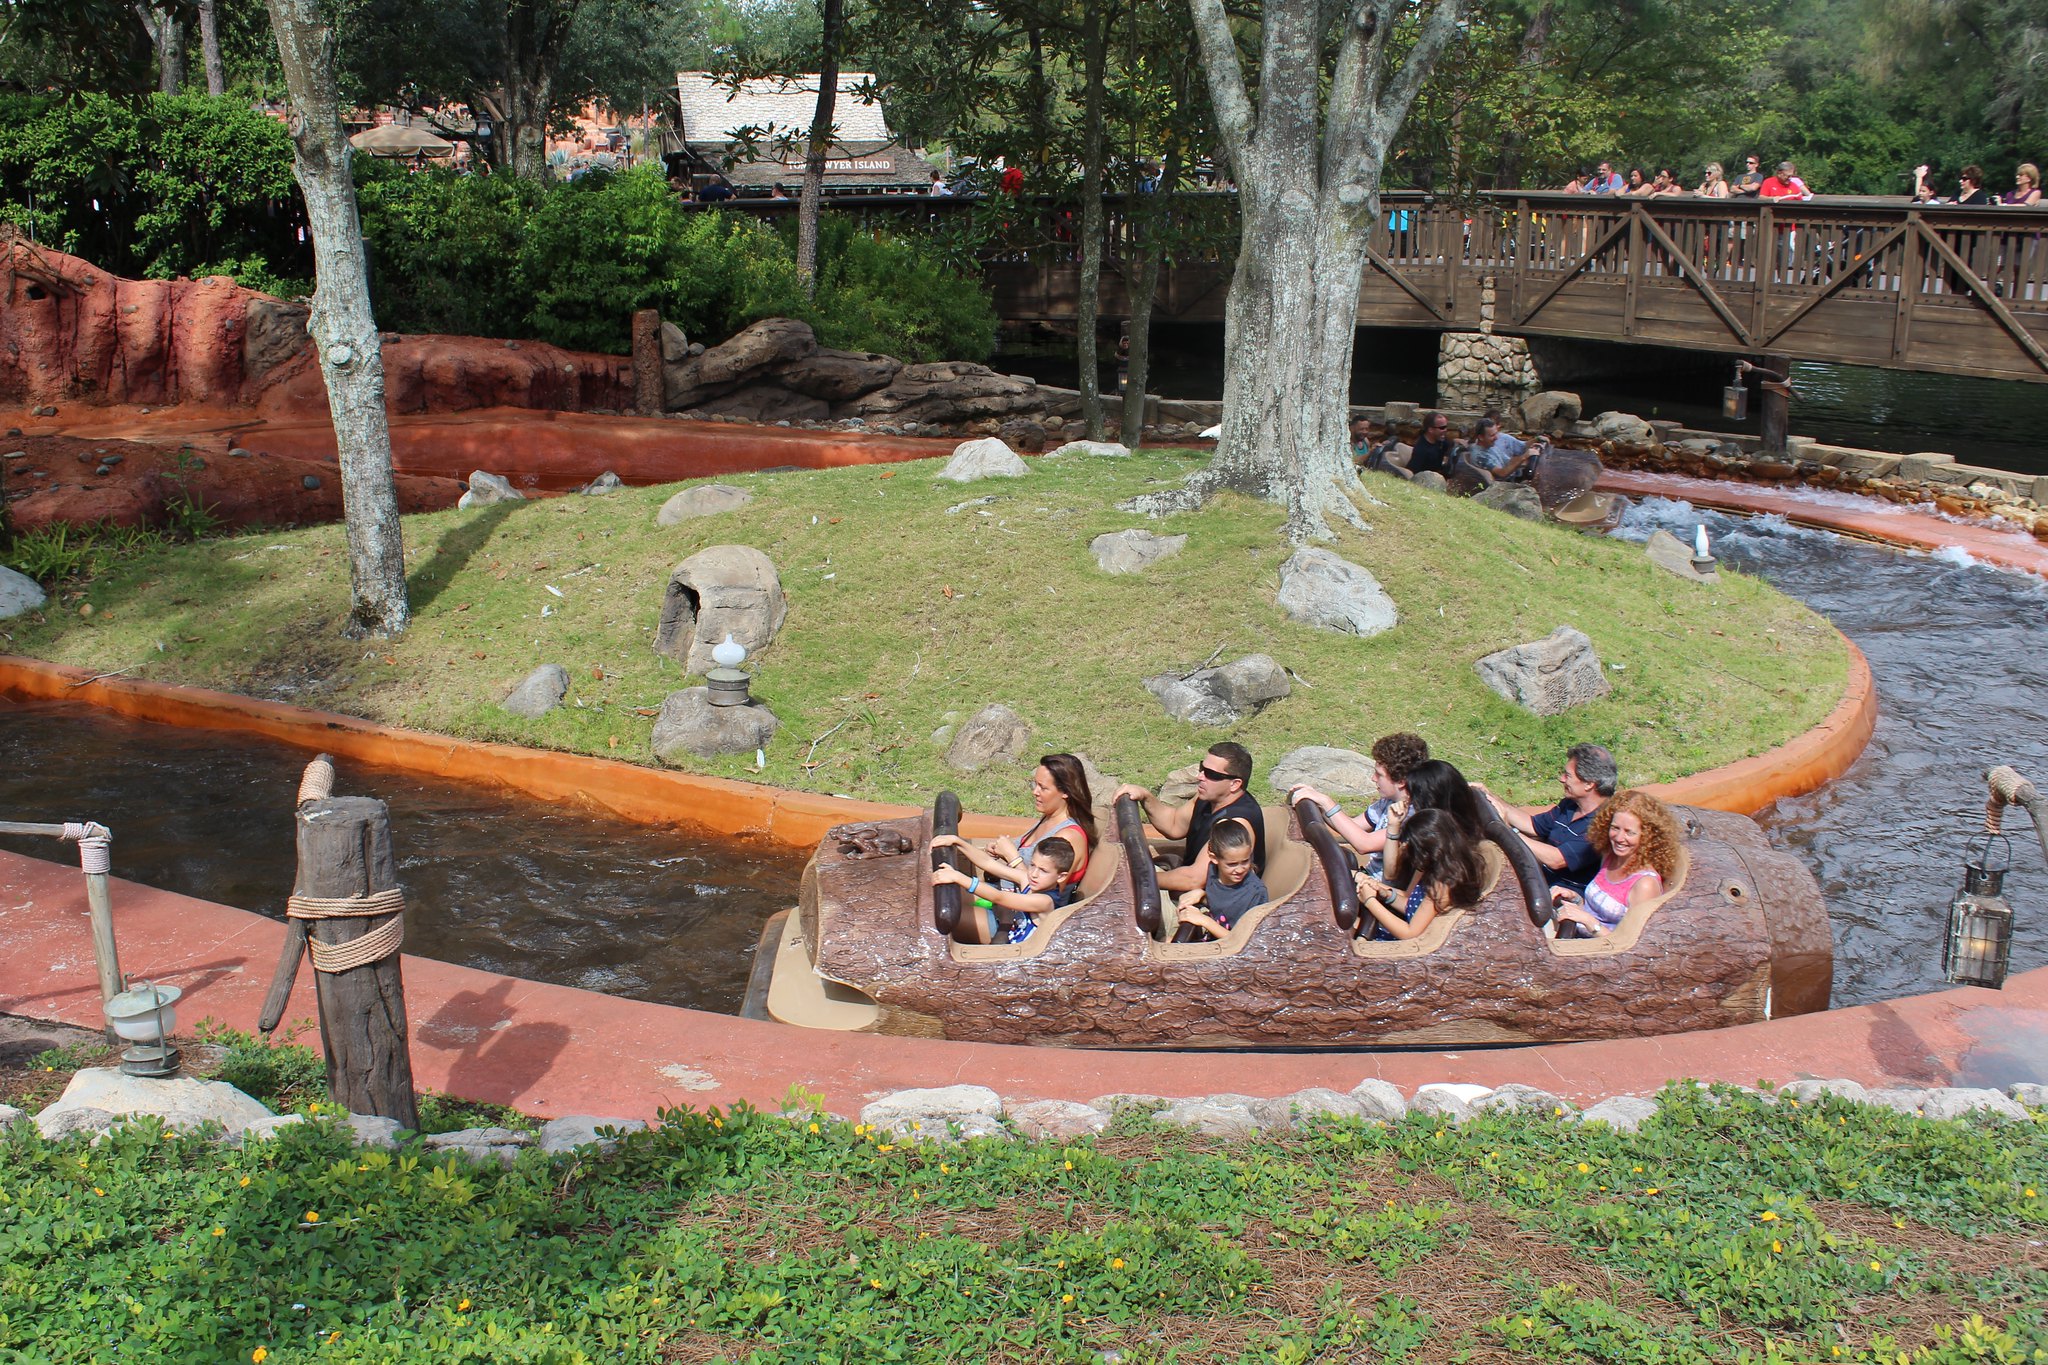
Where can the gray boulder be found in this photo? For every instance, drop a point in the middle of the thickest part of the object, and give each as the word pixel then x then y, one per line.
pixel 375 1130
pixel 502 1145
pixel 486 488
pixel 1446 1100
pixel 972 1110
pixel 723 590
pixel 1551 410
pixel 1674 556
pixel 764 345
pixel 8 1114
pixel 1057 1120
pixel 541 692
pixel 1515 499
pixel 180 1101
pixel 1305 1106
pixel 1433 481
pixel 1809 1091
pixel 1224 1116
pixel 702 500
pixel 1624 427
pixel 2031 1094
pixel 1022 433
pixel 836 376
pixel 266 1130
pixel 1221 696
pixel 1122 552
pixel 1955 1102
pixel 1515 1098
pixel 1908 1100
pixel 994 734
pixel 1547 676
pixel 572 1132
pixel 675 344
pixel 690 725
pixel 1333 771
pixel 766 404
pixel 987 458
pixel 1318 588
pixel 607 482
pixel 1379 1101
pixel 1623 1113
pixel 19 593
pixel 1107 450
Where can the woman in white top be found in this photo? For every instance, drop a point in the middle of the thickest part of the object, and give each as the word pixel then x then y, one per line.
pixel 1715 186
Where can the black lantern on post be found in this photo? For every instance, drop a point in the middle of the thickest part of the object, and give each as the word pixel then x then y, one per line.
pixel 1979 921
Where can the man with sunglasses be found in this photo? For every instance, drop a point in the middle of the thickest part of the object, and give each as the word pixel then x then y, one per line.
pixel 1219 795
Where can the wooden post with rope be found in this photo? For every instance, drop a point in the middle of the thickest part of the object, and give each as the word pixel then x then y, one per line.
pixel 347 898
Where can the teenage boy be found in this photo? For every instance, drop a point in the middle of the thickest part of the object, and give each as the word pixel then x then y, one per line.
pixel 1219 795
pixel 1232 889
pixel 995 914
pixel 1393 758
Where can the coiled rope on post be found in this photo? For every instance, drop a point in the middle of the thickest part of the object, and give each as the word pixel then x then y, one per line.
pixel 95 846
pixel 379 943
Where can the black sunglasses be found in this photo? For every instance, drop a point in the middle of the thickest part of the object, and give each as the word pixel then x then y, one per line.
pixel 1215 776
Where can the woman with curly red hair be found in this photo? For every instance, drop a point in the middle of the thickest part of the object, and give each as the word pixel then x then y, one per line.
pixel 1638 840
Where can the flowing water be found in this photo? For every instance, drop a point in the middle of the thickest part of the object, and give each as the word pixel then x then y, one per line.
pixel 509 884
pixel 492 879
pixel 1956 650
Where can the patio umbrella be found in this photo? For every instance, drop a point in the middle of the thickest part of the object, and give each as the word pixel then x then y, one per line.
pixel 392 140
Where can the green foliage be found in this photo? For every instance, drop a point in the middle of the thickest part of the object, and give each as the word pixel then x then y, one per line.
pixel 62 551
pixel 568 264
pixel 283 1075
pixel 161 186
pixel 730 1235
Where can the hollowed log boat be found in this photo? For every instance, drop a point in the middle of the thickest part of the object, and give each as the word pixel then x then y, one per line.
pixel 1741 935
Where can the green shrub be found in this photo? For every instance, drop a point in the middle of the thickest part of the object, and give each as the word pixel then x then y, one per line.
pixel 894 295
pixel 60 551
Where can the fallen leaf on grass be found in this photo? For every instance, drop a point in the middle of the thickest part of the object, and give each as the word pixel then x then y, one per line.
pixel 465 606
pixel 611 741
pixel 647 710
pixel 597 673
pixel 391 659
pixel 948 590
pixel 834 520
pixel 889 474
pixel 478 655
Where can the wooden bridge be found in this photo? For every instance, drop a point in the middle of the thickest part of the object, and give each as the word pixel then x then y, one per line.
pixel 1855 281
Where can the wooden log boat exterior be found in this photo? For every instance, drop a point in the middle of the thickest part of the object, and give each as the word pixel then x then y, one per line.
pixel 1741 935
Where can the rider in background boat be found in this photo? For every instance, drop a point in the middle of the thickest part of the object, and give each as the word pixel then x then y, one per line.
pixel 1557 836
pixel 1220 793
pixel 1393 758
pixel 1232 888
pixel 1059 792
pixel 1432 785
pixel 1444 858
pixel 1002 915
pixel 1638 839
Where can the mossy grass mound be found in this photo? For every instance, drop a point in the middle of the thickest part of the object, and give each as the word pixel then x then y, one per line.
pixel 1728 1228
pixel 908 608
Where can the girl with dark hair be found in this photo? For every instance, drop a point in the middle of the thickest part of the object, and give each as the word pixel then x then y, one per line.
pixel 1432 785
pixel 1059 792
pixel 1446 868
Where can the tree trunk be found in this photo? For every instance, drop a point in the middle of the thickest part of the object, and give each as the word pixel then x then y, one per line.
pixel 343 330
pixel 167 36
pixel 1144 265
pixel 818 149
pixel 1308 172
pixel 527 98
pixel 1094 60
pixel 1507 174
pixel 209 47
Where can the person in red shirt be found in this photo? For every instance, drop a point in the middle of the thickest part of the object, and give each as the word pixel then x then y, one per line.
pixel 1786 184
pixel 1012 182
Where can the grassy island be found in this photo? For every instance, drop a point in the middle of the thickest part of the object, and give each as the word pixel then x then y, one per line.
pixel 914 602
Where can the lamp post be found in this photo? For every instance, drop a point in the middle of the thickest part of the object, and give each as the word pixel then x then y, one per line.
pixel 1979 942
pixel 1702 553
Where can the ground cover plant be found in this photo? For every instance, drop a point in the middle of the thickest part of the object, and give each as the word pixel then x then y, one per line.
pixel 1732 1227
pixel 914 602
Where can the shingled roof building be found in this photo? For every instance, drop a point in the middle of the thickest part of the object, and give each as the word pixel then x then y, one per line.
pixel 866 158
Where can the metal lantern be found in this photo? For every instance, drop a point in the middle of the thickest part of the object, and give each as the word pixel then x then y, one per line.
pixel 1979 921
pixel 1735 399
pixel 144 1015
pixel 729 685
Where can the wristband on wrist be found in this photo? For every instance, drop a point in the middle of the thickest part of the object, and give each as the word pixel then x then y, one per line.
pixel 974 885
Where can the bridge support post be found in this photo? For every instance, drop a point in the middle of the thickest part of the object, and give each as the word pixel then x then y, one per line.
pixel 1774 404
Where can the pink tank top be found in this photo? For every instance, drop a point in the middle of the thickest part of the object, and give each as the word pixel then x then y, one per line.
pixel 1607 899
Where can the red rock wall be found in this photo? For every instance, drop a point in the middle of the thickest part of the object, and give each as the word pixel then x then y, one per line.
pixel 70 331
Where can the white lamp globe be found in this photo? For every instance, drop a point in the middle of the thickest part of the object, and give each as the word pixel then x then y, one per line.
pixel 728 653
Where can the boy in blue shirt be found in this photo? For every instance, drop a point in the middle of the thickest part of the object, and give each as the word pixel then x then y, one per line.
pixel 1232 889
pixel 1000 915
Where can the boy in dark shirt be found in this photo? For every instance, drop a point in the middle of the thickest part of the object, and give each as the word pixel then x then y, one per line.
pixel 1232 889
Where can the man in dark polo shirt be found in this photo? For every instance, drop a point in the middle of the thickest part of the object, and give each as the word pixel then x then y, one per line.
pixel 1219 792
pixel 1557 836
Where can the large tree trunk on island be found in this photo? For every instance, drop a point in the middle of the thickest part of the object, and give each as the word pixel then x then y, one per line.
pixel 1095 62
pixel 209 49
pixel 819 147
pixel 342 327
pixel 1308 174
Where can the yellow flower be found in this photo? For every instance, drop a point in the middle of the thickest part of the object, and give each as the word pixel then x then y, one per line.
pixel 1654 1189
pixel 333 1337
pixel 2029 1192
pixel 1585 1169
pixel 1063 1265
pixel 718 1123
pixel 1879 1268
pixel 1767 1216
pixel 462 1307
pixel 1066 1298
pixel 243 1182
pixel 312 1215
pixel 1117 1264
pixel 886 1147
pixel 1558 1112
pixel 859 1128
pixel 1777 1246
pixel 97 1190
pixel 313 1108
pixel 220 1232
pixel 944 1169
pixel 259 1355
pixel 814 1127
pixel 874 1284
pixel 1637 1169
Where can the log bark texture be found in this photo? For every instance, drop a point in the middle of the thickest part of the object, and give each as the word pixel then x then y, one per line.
pixel 344 847
pixel 341 324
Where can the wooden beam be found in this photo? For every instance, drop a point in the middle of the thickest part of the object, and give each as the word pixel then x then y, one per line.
pixel 1698 279
pixel 1620 226
pixel 1985 295
pixel 1869 260
pixel 1635 264
pixel 1381 264
pixel 1765 261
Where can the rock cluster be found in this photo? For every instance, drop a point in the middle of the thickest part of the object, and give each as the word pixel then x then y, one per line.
pixel 1477 360
pixel 1547 676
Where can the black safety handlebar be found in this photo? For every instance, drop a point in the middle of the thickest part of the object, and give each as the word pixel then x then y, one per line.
pixel 946 899
pixel 1315 828
pixel 1130 830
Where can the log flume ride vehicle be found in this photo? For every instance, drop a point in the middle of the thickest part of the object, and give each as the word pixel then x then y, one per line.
pixel 1740 936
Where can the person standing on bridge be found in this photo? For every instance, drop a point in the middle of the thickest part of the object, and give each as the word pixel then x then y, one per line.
pixel 1751 182
pixel 1605 181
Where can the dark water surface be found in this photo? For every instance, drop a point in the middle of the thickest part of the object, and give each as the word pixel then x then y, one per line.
pixel 1957 651
pixel 492 879
pixel 502 882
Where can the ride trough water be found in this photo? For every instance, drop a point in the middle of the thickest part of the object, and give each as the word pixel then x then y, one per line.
pixel 1741 935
